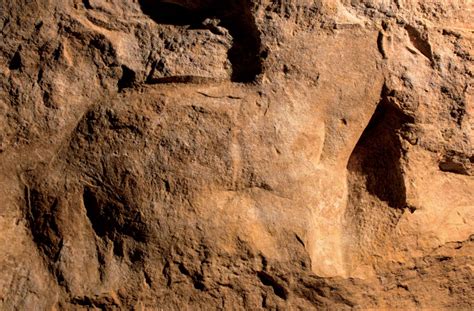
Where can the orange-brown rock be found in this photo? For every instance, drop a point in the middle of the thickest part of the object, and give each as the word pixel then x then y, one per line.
pixel 241 154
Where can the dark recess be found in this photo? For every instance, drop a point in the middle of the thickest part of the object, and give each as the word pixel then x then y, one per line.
pixel 378 153
pixel 87 4
pixel 246 54
pixel 15 62
pixel 170 14
pixel 128 78
pixel 113 219
pixel 269 280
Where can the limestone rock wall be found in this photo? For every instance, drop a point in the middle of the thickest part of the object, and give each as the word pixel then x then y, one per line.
pixel 236 154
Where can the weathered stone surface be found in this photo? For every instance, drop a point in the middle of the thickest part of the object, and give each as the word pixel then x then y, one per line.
pixel 236 154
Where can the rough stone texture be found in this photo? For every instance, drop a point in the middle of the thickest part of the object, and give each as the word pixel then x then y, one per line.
pixel 236 154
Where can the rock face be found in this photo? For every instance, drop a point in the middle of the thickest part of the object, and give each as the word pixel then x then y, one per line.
pixel 236 154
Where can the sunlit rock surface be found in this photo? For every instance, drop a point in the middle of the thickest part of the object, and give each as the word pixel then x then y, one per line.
pixel 236 154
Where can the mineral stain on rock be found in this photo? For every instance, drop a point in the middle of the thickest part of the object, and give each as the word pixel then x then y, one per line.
pixel 243 154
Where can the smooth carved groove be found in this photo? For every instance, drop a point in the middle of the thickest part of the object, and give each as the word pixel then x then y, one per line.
pixel 182 79
pixel 246 54
pixel 419 42
pixel 380 45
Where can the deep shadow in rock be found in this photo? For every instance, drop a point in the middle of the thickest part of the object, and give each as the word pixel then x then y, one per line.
pixel 378 153
pixel 246 54
pixel 113 219
pixel 127 79
pixel 170 13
